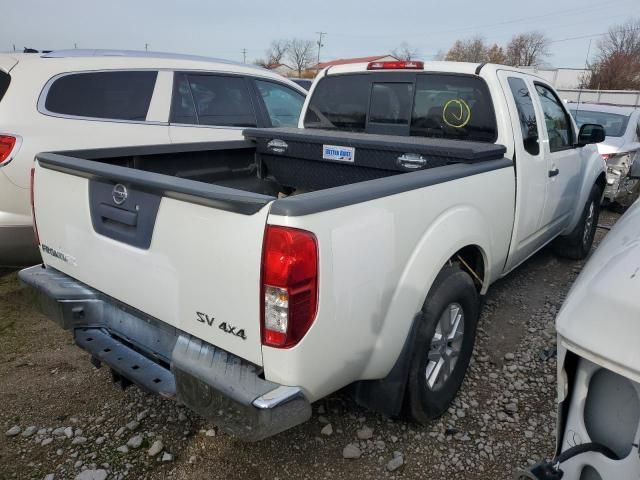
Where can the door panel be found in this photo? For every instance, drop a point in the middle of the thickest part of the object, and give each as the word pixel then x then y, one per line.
pixel 531 168
pixel 563 160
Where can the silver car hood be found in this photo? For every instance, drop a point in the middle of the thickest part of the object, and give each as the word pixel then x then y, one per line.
pixel 601 314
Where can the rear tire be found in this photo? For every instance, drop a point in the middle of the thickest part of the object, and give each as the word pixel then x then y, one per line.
pixel 577 244
pixel 444 344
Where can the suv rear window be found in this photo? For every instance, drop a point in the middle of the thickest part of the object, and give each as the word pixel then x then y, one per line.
pixel 5 80
pixel 429 105
pixel 107 95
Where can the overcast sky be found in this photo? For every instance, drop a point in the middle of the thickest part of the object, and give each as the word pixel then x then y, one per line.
pixel 354 28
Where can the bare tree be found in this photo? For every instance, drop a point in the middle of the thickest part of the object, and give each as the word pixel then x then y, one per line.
pixel 527 49
pixel 300 53
pixel 470 50
pixel 405 52
pixel 495 54
pixel 276 51
pixel 274 54
pixel 624 38
pixel 617 64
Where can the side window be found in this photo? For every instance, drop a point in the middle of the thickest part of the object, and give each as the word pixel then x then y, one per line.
pixel 183 110
pixel 107 95
pixel 283 103
pixel 526 115
pixel 221 100
pixel 5 80
pixel 556 120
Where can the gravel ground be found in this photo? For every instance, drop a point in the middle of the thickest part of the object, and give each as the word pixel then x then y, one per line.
pixel 63 419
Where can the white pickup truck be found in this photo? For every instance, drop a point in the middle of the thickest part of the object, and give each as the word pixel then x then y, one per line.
pixel 252 278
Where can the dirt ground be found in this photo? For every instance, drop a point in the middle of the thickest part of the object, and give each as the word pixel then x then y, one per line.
pixel 503 418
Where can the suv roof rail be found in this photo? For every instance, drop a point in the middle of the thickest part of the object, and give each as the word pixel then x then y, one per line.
pixel 82 52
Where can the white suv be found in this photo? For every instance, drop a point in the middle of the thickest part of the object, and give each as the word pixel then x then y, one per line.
pixel 96 98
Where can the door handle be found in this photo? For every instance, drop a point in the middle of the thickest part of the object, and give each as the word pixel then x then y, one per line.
pixel 412 161
pixel 553 173
pixel 118 215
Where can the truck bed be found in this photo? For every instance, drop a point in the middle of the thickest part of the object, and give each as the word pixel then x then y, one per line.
pixel 253 167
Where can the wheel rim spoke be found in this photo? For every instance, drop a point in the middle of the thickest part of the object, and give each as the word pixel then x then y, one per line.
pixel 588 224
pixel 434 372
pixel 445 346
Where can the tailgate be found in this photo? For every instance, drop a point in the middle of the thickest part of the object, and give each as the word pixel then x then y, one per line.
pixel 184 252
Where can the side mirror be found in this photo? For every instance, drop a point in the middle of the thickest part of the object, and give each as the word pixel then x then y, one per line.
pixel 591 133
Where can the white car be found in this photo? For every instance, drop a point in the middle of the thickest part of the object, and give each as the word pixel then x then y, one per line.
pixel 351 251
pixel 599 363
pixel 620 149
pixel 94 98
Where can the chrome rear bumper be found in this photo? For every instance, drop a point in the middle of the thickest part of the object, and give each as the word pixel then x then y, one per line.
pixel 159 358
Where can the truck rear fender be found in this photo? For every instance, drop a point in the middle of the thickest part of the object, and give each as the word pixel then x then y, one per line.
pixel 469 227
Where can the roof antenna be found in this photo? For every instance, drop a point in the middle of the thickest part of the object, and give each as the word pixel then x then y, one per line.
pixel 586 64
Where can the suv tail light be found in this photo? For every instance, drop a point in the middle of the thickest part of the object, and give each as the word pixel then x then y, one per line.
pixel 7 142
pixel 289 285
pixel 33 207
pixel 399 65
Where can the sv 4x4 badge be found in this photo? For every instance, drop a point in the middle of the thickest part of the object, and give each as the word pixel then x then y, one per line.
pixel 224 326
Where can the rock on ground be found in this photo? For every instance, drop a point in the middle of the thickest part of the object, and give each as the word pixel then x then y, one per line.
pixel 156 448
pixel 92 475
pixel 327 429
pixel 365 433
pixel 13 431
pixel 167 457
pixel 135 442
pixel 395 463
pixel 351 451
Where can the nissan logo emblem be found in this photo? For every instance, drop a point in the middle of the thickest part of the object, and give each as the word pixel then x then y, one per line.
pixel 119 194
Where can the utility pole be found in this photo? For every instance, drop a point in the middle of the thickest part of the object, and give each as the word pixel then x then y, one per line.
pixel 75 45
pixel 320 45
pixel 244 55
pixel 146 47
pixel 14 47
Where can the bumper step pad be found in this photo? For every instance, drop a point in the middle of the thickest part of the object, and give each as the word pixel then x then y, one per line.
pixel 128 363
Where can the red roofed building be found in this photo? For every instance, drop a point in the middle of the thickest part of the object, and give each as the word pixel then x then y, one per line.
pixel 343 61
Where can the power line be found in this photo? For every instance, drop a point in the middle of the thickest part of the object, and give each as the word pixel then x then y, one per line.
pixel 593 35
pixel 573 11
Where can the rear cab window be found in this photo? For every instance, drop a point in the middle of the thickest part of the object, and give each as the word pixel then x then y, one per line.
pixel 116 95
pixel 434 105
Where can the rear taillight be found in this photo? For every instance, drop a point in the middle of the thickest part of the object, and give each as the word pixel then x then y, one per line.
pixel 7 142
pixel 33 206
pixel 289 285
pixel 399 65
pixel 605 156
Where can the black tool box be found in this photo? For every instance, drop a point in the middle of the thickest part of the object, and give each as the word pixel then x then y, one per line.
pixel 324 158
